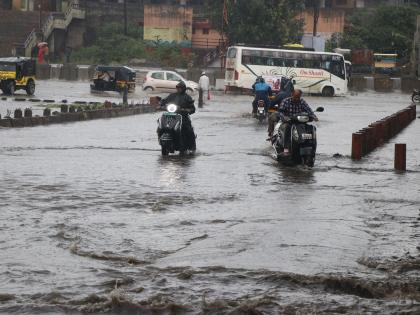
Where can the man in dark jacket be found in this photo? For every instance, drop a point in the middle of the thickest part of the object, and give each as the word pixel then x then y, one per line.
pixel 186 108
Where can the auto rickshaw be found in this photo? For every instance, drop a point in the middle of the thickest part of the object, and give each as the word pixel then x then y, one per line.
pixel 109 78
pixel 17 73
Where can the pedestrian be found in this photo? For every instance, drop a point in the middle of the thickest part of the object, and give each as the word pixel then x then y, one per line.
pixel 46 53
pixel 203 88
pixel 40 55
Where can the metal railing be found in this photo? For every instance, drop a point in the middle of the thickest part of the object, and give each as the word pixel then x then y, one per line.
pixel 54 21
pixel 30 38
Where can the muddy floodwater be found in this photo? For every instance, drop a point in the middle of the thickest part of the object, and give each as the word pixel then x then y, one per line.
pixel 94 220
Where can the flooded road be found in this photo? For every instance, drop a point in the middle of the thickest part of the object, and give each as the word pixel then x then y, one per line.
pixel 94 220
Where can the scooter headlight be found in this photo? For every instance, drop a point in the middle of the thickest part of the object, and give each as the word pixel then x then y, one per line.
pixel 303 118
pixel 172 108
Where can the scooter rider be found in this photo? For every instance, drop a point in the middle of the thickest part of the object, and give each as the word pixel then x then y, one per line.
pixel 289 107
pixel 186 108
pixel 286 88
pixel 262 92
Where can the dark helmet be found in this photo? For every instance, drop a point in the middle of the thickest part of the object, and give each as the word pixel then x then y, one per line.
pixel 260 79
pixel 181 84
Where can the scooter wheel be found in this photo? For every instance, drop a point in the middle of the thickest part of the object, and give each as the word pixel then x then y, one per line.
pixel 165 151
pixel 415 98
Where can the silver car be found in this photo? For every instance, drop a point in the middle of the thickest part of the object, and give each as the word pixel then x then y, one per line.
pixel 166 81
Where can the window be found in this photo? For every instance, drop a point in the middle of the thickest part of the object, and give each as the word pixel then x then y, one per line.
pixel 7 67
pixel 341 2
pixel 206 31
pixel 172 77
pixel 157 75
pixel 231 53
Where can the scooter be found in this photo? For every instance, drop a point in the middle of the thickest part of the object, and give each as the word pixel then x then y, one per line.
pixel 170 133
pixel 261 112
pixel 303 141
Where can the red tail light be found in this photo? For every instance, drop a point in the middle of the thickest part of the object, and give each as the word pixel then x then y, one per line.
pixel 236 75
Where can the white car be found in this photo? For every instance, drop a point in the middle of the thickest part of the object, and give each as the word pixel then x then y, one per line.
pixel 166 81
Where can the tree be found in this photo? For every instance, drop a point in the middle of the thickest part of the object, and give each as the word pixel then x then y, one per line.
pixel 260 22
pixel 385 29
pixel 315 5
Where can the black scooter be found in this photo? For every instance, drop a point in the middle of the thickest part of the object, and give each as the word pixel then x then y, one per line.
pixel 302 141
pixel 261 112
pixel 170 132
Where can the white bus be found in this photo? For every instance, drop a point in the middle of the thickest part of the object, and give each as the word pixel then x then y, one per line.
pixel 314 72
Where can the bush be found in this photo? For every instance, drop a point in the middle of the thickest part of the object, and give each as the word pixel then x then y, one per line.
pixel 112 46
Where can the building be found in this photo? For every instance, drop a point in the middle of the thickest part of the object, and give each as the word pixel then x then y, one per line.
pixel 181 21
pixel 330 21
pixel 32 5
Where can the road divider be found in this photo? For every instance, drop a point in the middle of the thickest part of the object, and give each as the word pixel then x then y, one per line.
pixel 81 113
pixel 376 134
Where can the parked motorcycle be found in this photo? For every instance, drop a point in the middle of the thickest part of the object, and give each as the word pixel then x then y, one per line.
pixel 303 141
pixel 171 134
pixel 415 97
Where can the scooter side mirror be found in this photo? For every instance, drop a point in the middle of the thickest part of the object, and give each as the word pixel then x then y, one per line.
pixel 320 109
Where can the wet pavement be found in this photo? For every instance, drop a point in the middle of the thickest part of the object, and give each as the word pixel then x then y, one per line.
pixel 94 220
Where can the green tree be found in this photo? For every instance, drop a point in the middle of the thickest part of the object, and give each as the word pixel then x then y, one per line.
pixel 261 22
pixel 112 46
pixel 384 29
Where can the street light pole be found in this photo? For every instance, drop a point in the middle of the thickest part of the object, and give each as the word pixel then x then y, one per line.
pixel 125 18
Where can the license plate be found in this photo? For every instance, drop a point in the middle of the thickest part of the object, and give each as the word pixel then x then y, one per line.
pixel 306 136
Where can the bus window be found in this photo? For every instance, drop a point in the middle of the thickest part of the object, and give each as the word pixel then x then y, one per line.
pixel 337 69
pixel 231 53
pixel 325 65
pixel 290 63
pixel 246 60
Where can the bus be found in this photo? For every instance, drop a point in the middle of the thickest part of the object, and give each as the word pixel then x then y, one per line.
pixel 312 72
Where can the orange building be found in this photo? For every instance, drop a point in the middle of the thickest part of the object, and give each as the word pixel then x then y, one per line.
pixel 172 23
pixel 204 36
pixel 330 21
pixel 34 5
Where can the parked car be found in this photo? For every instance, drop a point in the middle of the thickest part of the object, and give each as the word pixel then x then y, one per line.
pixel 166 81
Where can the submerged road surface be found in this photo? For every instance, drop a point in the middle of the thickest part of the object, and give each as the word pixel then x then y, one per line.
pixel 94 220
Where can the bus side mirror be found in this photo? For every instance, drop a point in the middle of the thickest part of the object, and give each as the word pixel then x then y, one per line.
pixel 320 109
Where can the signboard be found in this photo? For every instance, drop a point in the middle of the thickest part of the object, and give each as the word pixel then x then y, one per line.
pixel 273 81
